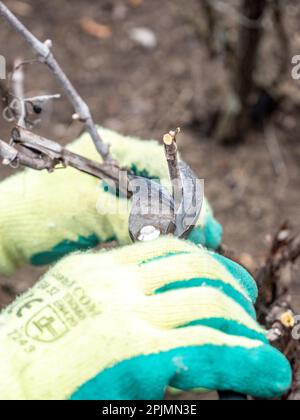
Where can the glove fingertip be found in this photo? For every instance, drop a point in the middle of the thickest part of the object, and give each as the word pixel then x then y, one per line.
pixel 241 274
pixel 210 235
pixel 275 378
pixel 213 234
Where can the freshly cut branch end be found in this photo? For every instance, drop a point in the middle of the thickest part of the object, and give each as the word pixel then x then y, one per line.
pixel 171 137
pixel 168 139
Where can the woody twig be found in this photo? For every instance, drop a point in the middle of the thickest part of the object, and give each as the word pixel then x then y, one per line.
pixel 285 251
pixel 171 152
pixel 36 152
pixel 18 92
pixel 44 54
pixel 21 107
pixel 274 306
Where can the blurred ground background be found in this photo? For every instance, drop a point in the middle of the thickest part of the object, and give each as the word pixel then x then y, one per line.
pixel 146 90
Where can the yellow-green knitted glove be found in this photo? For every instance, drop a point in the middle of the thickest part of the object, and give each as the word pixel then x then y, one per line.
pixel 45 216
pixel 128 323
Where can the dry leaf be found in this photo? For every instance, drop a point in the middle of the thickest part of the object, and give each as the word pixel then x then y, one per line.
pixel 21 8
pixel 96 29
pixel 135 3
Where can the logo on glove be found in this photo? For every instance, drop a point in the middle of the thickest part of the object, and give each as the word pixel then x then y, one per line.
pixel 46 326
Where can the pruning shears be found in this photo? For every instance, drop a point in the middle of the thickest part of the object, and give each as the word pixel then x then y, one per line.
pixel 155 211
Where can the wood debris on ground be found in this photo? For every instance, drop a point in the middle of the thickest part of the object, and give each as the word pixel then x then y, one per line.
pixel 95 29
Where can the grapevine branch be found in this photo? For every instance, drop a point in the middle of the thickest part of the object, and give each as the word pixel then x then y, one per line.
pixel 36 152
pixel 44 54
pixel 274 306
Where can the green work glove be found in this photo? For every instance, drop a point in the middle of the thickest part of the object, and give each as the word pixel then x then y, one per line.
pixel 46 216
pixel 128 323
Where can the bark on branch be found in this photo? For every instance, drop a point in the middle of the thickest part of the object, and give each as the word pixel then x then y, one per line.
pixel 284 252
pixel 233 120
pixel 274 306
pixel 36 152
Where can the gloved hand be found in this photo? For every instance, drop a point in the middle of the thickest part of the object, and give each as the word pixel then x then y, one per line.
pixel 125 324
pixel 45 216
